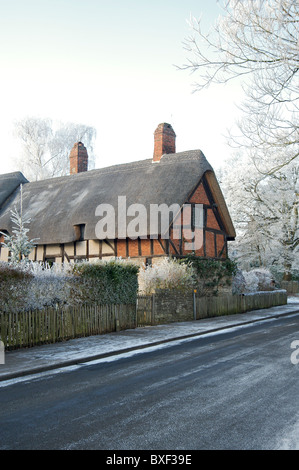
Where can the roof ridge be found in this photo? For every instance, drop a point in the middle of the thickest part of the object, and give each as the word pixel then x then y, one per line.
pixel 166 159
pixel 56 205
pixel 12 173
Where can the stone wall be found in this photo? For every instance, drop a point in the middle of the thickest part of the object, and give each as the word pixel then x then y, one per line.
pixel 168 306
pixel 172 306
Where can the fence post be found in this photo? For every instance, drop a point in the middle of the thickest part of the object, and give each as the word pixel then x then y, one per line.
pixel 117 328
pixel 153 309
pixel 194 304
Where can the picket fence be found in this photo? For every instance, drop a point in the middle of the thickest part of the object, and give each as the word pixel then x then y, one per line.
pixel 51 325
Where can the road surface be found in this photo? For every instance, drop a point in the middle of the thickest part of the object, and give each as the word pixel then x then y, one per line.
pixel 232 390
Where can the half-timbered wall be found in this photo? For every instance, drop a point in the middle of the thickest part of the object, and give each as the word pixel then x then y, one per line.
pixel 70 252
pixel 214 239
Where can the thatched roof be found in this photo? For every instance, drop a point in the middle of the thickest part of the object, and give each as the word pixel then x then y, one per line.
pixel 9 183
pixel 56 205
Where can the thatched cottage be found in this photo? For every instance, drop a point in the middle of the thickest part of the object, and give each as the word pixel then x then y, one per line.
pixel 68 213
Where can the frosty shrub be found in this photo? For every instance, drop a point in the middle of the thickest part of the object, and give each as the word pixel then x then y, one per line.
pixel 251 281
pixel 14 281
pixel 238 283
pixel 265 279
pixel 31 285
pixel 212 276
pixel 259 279
pixel 50 286
pixel 106 282
pixel 166 274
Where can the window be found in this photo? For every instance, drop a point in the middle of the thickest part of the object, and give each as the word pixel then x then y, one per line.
pixel 148 261
pixel 50 261
pixel 2 236
pixel 80 232
pixel 197 216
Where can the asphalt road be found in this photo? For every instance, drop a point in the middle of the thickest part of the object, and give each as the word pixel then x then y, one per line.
pixel 234 390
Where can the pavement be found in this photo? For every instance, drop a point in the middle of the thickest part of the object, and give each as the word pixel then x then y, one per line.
pixel 30 361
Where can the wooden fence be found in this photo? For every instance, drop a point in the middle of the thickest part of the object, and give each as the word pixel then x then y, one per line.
pixel 50 325
pixel 174 307
pixel 145 310
pixel 232 304
pixel 292 287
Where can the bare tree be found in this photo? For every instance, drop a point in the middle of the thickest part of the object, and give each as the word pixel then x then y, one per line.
pixel 34 135
pixel 66 135
pixel 252 37
pixel 256 42
pixel 46 146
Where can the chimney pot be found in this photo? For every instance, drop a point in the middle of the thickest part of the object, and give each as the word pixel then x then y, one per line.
pixel 164 137
pixel 78 158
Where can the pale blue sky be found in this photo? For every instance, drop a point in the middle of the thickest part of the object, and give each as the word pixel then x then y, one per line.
pixel 109 64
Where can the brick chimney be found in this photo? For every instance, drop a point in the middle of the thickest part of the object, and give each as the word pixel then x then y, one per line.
pixel 78 159
pixel 164 141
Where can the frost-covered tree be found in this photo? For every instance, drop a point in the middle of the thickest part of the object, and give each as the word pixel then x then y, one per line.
pixel 46 146
pixel 265 210
pixel 18 244
pixel 257 43
pixel 254 39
